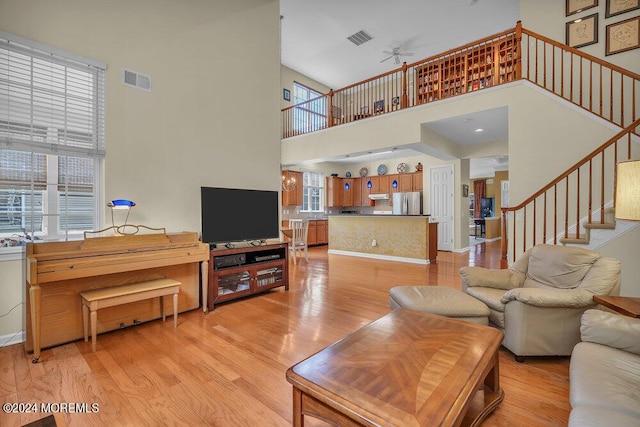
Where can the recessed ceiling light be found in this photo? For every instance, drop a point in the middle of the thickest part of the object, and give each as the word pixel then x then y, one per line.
pixel 479 130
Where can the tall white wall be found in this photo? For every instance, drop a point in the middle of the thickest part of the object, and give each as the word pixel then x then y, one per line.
pixel 211 118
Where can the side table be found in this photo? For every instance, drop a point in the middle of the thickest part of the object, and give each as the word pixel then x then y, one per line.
pixel 629 306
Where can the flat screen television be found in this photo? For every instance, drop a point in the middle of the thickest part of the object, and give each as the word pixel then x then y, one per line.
pixel 235 215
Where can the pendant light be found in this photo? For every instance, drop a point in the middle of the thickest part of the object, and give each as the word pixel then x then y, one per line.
pixel 369 184
pixel 394 184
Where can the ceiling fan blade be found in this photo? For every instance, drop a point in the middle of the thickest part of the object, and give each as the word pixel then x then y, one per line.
pixel 406 54
pixel 387 58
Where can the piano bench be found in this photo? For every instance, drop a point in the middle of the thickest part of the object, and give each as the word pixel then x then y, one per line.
pixel 95 299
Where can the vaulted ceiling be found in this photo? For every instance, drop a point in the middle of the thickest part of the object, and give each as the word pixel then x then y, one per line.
pixel 315 42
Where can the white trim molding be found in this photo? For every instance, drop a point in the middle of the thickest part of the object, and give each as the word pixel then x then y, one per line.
pixel 382 257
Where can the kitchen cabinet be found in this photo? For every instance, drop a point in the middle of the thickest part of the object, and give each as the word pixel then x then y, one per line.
pixel 334 190
pixel 375 188
pixel 293 197
pixel 322 232
pixel 356 188
pixel 417 181
pixel 405 182
pixel 393 177
pixel 347 191
pixel 384 183
pixel 312 234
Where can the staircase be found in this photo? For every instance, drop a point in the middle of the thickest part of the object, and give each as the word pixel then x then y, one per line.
pixel 578 207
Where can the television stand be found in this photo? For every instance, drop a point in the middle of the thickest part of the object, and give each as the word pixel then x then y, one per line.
pixel 239 272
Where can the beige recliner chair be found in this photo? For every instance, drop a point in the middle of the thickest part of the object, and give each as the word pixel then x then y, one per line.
pixel 539 300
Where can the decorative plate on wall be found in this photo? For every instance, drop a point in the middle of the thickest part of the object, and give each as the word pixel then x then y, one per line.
pixel 382 169
pixel 364 172
pixel 348 174
pixel 402 167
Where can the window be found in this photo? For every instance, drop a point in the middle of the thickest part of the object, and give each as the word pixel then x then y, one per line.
pixel 309 109
pixel 312 192
pixel 51 142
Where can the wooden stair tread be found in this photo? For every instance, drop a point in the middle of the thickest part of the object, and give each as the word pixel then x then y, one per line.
pixel 600 226
pixel 581 241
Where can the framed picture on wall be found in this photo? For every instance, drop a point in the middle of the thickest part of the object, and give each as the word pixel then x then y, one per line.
pixel 582 32
pixel 616 7
pixel 576 6
pixel 623 36
pixel 286 94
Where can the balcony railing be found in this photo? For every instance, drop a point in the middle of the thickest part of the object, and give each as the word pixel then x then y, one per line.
pixel 600 87
pixel 561 209
pixel 485 63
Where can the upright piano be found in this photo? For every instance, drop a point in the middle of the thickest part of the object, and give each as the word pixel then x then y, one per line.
pixel 58 271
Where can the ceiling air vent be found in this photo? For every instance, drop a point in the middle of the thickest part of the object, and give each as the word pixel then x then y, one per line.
pixel 140 81
pixel 359 38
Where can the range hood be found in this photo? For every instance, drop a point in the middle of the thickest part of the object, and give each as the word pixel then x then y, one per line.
pixel 383 196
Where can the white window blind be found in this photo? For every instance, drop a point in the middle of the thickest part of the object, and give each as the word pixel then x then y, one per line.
pixel 51 140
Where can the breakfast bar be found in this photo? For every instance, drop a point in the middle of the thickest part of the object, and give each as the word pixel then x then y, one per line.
pixel 405 238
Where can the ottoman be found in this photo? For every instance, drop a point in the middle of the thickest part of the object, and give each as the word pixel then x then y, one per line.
pixel 440 300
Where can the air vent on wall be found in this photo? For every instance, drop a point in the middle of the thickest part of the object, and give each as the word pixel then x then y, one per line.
pixel 140 81
pixel 359 38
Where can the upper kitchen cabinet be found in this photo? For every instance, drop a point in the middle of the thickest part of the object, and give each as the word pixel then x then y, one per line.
pixel 417 181
pixel 291 188
pixel 350 186
pixel 405 182
pixel 375 188
pixel 334 191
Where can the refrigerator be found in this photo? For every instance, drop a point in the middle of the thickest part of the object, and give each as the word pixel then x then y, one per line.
pixel 409 203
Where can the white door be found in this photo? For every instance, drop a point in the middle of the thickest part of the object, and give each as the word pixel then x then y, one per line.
pixel 442 204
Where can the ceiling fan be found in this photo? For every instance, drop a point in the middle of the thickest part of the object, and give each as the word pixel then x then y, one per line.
pixel 396 54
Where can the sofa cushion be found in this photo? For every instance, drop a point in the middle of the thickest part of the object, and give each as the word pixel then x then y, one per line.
pixel 491 278
pixel 491 297
pixel 605 377
pixel 613 330
pixel 558 267
pixel 597 416
pixel 439 300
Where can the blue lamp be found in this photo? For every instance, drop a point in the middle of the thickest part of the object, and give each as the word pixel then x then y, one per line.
pixel 369 184
pixel 120 204
pixel 394 184
pixel 347 186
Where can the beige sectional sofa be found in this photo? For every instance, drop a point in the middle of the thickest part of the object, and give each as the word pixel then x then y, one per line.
pixel 605 371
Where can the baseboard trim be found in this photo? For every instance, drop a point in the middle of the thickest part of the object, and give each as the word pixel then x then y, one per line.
pixel 381 257
pixel 11 339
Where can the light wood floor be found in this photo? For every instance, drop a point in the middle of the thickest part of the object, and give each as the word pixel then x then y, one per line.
pixel 228 368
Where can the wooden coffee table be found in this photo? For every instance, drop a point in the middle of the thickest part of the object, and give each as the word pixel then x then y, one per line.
pixel 407 368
